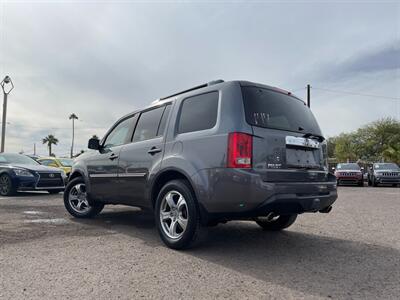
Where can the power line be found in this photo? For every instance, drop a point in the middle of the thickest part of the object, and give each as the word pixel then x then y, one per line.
pixel 357 94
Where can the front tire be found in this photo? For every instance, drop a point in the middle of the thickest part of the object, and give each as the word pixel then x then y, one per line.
pixel 7 187
pixel 76 202
pixel 275 223
pixel 177 215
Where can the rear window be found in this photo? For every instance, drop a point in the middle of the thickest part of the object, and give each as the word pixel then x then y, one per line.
pixel 270 109
pixel 198 113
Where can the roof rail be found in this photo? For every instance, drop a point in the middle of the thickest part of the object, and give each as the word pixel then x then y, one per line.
pixel 193 88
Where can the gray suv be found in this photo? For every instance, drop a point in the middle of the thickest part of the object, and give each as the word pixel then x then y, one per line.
pixel 217 152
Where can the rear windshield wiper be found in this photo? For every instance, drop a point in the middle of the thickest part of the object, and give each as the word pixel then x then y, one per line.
pixel 319 138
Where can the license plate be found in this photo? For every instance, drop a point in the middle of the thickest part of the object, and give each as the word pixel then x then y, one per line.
pixel 301 142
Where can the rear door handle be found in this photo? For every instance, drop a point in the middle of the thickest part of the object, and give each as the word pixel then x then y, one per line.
pixel 154 150
pixel 113 156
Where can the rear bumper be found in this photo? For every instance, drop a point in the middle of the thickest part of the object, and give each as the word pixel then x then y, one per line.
pixel 235 193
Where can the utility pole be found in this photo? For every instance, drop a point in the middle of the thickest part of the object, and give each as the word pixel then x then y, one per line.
pixel 308 95
pixel 34 148
pixel 73 117
pixel 7 85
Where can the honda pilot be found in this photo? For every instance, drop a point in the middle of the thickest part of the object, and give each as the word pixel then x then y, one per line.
pixel 217 152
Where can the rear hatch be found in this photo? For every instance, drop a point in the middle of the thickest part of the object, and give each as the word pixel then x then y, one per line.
pixel 287 145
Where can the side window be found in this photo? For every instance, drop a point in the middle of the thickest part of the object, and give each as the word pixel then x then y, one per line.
pixel 120 134
pixel 198 113
pixel 46 162
pixel 147 126
pixel 164 119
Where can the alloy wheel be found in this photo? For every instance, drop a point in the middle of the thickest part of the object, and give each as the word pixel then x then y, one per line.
pixel 4 185
pixel 77 198
pixel 174 214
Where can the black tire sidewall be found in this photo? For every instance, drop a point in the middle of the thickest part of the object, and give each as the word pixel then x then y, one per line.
pixel 189 235
pixel 93 211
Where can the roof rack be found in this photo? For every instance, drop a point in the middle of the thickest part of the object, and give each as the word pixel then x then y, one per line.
pixel 193 88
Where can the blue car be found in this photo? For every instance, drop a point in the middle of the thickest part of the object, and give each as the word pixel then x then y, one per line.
pixel 21 173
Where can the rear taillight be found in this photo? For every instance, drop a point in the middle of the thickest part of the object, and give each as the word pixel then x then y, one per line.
pixel 239 150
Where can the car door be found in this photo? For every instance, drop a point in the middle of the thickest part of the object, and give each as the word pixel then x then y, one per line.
pixel 103 166
pixel 143 156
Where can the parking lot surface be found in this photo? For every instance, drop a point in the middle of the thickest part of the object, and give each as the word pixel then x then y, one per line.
pixel 352 252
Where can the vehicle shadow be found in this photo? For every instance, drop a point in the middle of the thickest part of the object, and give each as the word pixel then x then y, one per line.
pixel 311 264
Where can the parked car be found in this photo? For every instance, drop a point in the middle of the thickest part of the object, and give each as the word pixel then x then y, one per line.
pixel 217 152
pixel 349 173
pixel 64 164
pixel 21 173
pixel 384 173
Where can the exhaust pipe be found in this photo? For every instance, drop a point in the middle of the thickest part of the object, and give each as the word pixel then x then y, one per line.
pixel 326 209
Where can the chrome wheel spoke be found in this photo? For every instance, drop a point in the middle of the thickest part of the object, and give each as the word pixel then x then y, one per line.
pixel 182 223
pixel 170 200
pixel 172 228
pixel 164 215
pixel 181 202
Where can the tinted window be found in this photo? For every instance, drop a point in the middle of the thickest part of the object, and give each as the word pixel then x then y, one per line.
pixel 198 113
pixel 267 108
pixel 119 135
pixel 164 120
pixel 147 125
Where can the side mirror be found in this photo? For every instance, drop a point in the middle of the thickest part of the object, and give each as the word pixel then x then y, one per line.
pixel 362 168
pixel 94 144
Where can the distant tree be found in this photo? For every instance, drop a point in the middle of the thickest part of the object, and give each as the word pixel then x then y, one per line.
pixel 50 140
pixel 377 141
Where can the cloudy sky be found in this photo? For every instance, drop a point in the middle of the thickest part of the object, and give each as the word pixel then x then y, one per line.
pixel 102 60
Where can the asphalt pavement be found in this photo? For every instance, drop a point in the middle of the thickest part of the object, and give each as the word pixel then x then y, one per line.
pixel 352 252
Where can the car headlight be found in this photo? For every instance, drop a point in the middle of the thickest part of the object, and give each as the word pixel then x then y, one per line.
pixel 23 172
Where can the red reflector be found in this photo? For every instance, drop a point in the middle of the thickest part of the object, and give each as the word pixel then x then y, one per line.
pixel 239 150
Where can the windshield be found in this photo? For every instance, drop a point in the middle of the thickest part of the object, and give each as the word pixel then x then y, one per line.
pixel 8 158
pixel 348 167
pixel 267 108
pixel 66 162
pixel 386 166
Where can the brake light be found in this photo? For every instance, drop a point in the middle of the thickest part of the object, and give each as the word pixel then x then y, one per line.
pixel 240 150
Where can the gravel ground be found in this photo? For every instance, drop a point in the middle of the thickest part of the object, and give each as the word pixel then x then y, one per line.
pixel 352 252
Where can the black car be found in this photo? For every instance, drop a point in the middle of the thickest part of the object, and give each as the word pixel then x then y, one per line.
pixel 384 173
pixel 21 173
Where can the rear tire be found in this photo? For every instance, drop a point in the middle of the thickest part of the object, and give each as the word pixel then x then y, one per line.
pixel 7 187
pixel 276 223
pixel 177 216
pixel 76 202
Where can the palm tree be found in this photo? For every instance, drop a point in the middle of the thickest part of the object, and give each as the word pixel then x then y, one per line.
pixel 73 117
pixel 50 140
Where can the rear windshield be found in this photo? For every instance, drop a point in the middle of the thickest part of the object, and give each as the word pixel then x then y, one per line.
pixel 270 109
pixel 348 167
